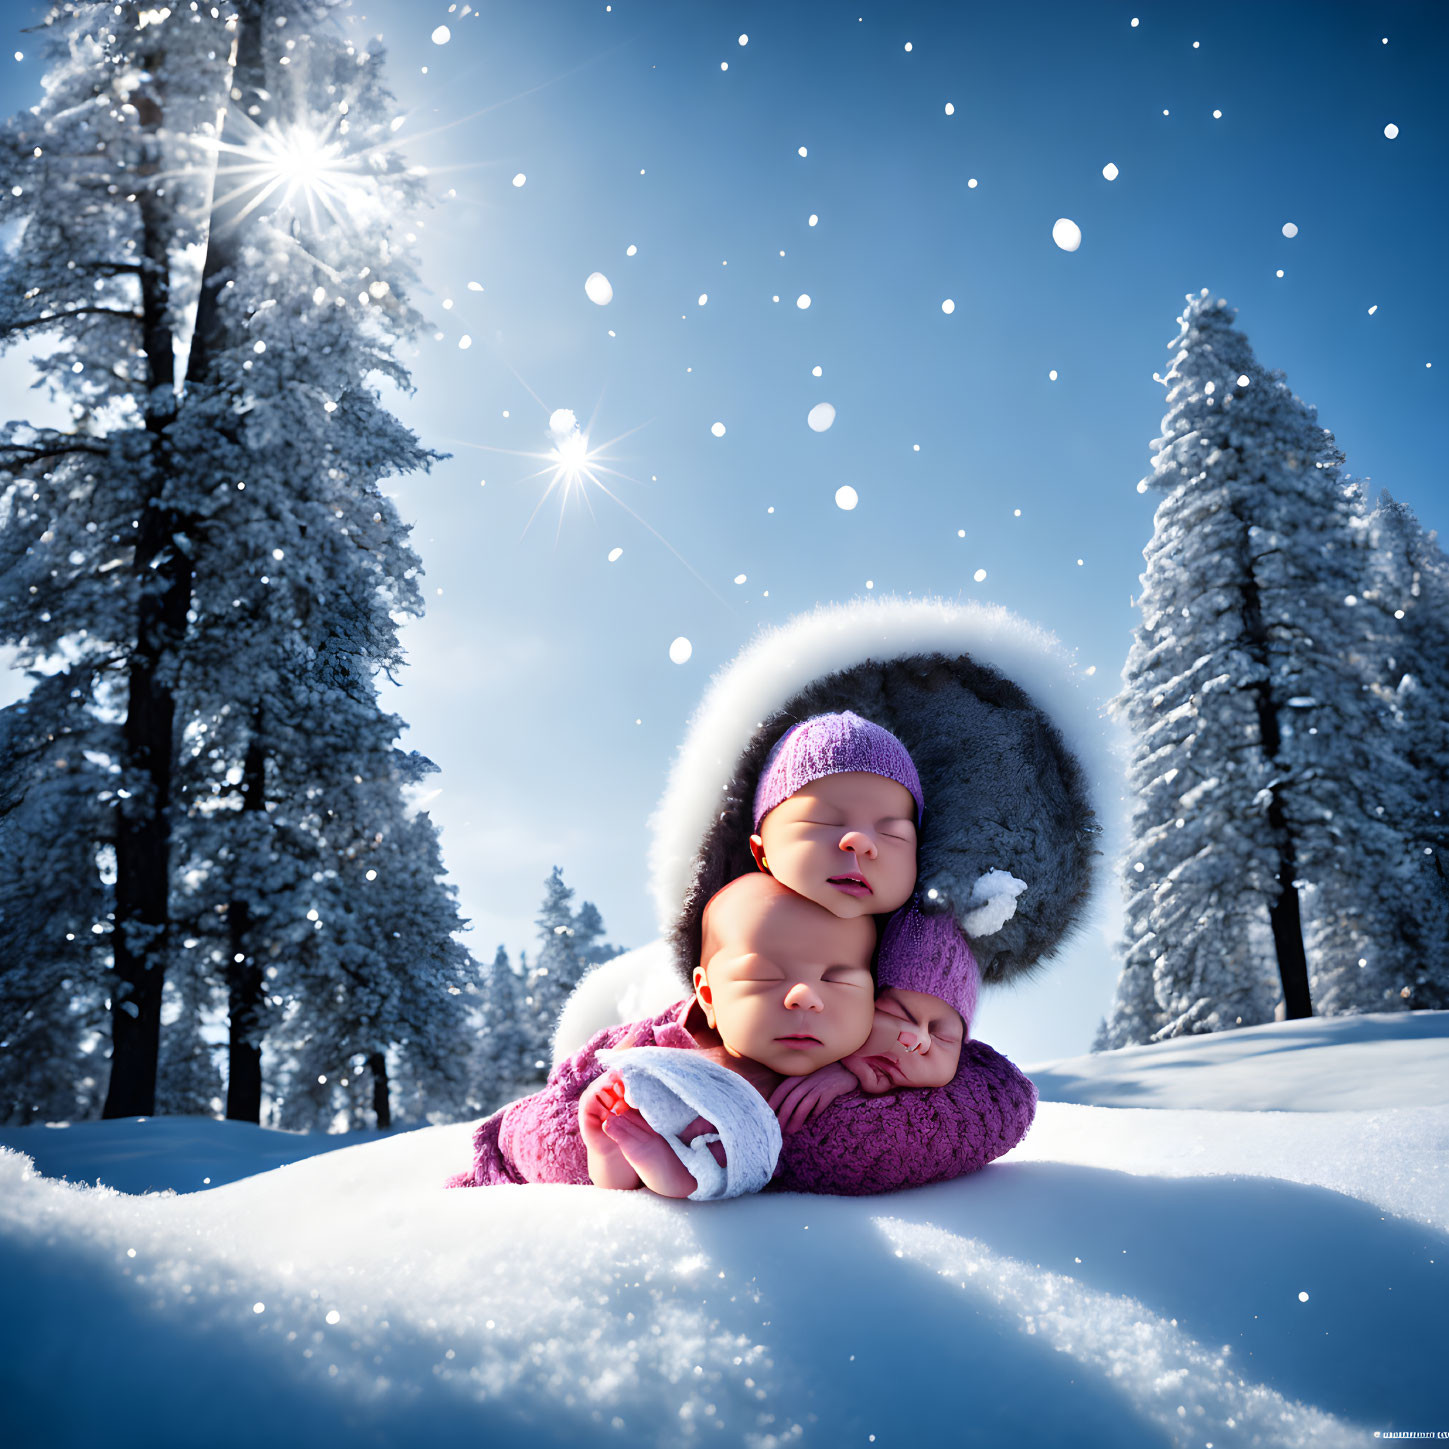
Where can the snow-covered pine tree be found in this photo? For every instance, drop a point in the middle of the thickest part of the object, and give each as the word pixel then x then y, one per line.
pixel 1247 689
pixel 553 974
pixel 499 1048
pixel 304 571
pixel 105 211
pixel 54 901
pixel 568 944
pixel 275 569
pixel 1410 595
pixel 588 938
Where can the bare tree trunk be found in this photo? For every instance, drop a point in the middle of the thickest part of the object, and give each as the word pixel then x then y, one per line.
pixel 377 1065
pixel 245 974
pixel 1284 914
pixel 143 829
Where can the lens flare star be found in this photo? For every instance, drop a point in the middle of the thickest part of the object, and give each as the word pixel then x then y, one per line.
pixel 574 468
pixel 302 164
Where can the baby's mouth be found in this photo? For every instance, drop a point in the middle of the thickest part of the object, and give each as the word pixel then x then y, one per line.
pixel 852 884
pixel 799 1039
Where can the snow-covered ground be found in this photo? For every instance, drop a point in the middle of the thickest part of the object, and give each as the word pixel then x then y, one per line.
pixel 1216 1241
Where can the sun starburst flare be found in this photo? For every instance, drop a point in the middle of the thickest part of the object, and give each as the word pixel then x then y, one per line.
pixel 573 467
pixel 303 165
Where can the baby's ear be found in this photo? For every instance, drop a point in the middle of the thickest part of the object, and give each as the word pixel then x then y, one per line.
pixel 701 987
pixel 757 849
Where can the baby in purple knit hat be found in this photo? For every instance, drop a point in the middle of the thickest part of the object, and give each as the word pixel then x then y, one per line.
pixel 836 811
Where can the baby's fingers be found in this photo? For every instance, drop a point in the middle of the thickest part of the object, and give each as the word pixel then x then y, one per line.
pixel 803 1109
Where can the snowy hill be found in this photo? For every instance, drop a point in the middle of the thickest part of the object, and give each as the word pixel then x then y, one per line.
pixel 1213 1241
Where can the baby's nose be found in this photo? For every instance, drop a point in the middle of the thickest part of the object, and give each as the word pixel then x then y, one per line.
pixel 917 1043
pixel 859 842
pixel 804 997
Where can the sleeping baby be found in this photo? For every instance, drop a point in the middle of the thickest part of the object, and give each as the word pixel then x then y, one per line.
pixel 790 1022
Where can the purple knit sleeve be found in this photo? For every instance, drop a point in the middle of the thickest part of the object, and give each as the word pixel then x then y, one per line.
pixel 861 1145
pixel 490 1167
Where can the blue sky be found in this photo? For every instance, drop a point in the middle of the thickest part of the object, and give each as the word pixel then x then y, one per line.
pixel 538 655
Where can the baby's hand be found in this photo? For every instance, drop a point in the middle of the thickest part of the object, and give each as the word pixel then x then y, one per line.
pixel 797 1099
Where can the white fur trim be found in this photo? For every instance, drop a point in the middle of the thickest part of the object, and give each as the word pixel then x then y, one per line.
pixel 994 896
pixel 640 983
pixel 781 661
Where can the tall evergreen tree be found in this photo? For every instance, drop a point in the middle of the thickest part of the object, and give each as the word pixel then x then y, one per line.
pixel 569 942
pixel 54 905
pixel 105 207
pixel 499 1064
pixel 212 549
pixel 1410 596
pixel 1248 690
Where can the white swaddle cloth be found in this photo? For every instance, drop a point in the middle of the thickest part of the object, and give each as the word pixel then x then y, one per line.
pixel 671 1086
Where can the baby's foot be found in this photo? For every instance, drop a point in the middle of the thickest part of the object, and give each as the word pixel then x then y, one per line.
pixel 649 1155
pixel 607 1165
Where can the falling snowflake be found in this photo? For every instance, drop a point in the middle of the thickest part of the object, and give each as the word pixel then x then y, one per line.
pixel 680 650
pixel 1066 234
pixel 442 35
pixel 598 289
pixel 846 497
pixel 821 416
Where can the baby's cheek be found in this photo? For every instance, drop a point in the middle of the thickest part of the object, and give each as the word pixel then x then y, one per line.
pixel 949 1062
pixel 863 1027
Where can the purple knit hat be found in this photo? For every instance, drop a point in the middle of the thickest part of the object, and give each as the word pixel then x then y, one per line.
pixel 929 953
pixel 832 744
